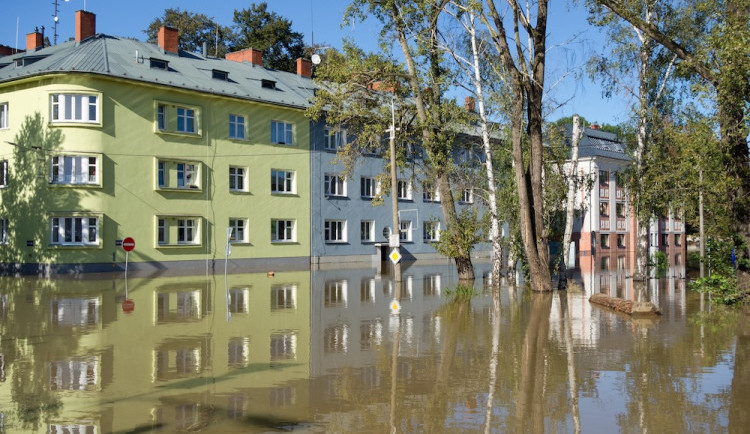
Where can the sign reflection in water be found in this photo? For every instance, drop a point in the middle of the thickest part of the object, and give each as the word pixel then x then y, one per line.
pixel 322 350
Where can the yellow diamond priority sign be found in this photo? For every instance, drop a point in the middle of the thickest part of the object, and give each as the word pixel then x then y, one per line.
pixel 395 256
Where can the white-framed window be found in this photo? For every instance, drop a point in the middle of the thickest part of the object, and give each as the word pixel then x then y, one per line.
pixel 3 115
pixel 161 117
pixel 334 138
pixel 237 178
pixel 74 169
pixel 74 107
pixel 3 173
pixel 178 230
pixel 367 230
pixel 178 118
pixel 282 231
pixel 185 120
pixel 237 127
pixel 404 233
pixel 431 231
pixel 335 231
pixel 282 133
pixel 186 175
pixel 74 231
pixel 430 193
pixel 404 190
pixel 239 230
pixel 467 195
pixel 282 181
pixel 334 185
pixel 182 175
pixel 368 187
pixel 3 231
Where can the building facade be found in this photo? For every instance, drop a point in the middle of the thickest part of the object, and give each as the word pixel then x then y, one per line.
pixel 104 138
pixel 606 229
pixel 195 158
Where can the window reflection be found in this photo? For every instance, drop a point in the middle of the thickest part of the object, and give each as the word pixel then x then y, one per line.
pixel 335 293
pixel 371 334
pixel 283 297
pixel 80 374
pixel 74 311
pixel 335 339
pixel 431 285
pixel 180 359
pixel 367 291
pixel 238 300
pixel 282 397
pixel 283 346
pixel 239 352
pixel 72 428
pixel 178 306
pixel 236 406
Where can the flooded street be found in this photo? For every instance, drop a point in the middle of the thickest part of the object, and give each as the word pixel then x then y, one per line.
pixel 322 351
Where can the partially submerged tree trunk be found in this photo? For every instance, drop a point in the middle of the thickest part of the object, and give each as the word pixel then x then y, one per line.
pixel 572 177
pixel 526 82
pixel 432 96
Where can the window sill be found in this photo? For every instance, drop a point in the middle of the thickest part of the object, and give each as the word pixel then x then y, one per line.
pixel 178 246
pixel 66 123
pixel 336 196
pixel 282 194
pixel 284 242
pixel 74 246
pixel 73 185
pixel 180 189
pixel 179 133
pixel 240 192
pixel 340 243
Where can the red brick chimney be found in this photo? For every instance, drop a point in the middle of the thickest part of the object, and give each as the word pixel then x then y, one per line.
pixel 304 67
pixel 85 25
pixel 470 104
pixel 168 39
pixel 34 40
pixel 594 126
pixel 247 55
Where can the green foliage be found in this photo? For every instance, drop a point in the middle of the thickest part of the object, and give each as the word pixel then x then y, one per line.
pixel 271 33
pixel 722 288
pixel 461 291
pixel 193 30
pixel 722 283
pixel 460 237
pixel 254 27
pixel 659 262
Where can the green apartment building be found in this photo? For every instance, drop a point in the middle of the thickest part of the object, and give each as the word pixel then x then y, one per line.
pixel 103 138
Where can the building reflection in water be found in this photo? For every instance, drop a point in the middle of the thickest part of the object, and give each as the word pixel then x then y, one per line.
pixel 323 347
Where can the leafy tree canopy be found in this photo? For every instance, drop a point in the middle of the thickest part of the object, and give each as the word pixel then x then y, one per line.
pixel 255 27
pixel 193 30
pixel 271 33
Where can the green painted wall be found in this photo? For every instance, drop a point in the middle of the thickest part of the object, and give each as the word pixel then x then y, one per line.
pixel 128 200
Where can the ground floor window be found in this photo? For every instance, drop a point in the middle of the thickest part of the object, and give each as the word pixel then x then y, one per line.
pixel 178 231
pixel 405 232
pixel 238 227
pixel 367 230
pixel 282 231
pixel 74 231
pixel 335 231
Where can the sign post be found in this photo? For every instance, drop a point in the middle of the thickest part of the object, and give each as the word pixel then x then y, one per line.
pixel 128 244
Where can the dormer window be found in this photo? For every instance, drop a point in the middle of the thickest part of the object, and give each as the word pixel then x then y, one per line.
pixel 159 64
pixel 267 84
pixel 219 75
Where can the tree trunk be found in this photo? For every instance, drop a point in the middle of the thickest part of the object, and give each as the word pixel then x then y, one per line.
pixel 572 176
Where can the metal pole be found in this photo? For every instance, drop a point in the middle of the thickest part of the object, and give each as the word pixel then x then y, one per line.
pixel 394 196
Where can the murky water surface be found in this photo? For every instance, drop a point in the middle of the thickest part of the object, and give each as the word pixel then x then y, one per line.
pixel 323 351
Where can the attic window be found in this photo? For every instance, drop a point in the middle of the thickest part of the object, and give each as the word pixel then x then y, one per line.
pixel 159 64
pixel 25 61
pixel 268 84
pixel 220 75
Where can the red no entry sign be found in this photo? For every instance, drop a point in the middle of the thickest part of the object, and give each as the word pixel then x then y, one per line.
pixel 128 306
pixel 128 244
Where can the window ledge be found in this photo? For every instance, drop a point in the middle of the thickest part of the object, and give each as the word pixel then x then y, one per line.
pixel 178 246
pixel 284 242
pixel 180 189
pixel 197 135
pixel 71 185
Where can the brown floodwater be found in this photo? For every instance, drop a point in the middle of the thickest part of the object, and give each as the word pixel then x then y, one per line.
pixel 325 351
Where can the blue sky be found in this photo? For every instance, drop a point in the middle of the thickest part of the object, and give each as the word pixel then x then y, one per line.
pixel 321 20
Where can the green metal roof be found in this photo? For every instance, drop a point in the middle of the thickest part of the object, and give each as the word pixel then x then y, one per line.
pixel 130 59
